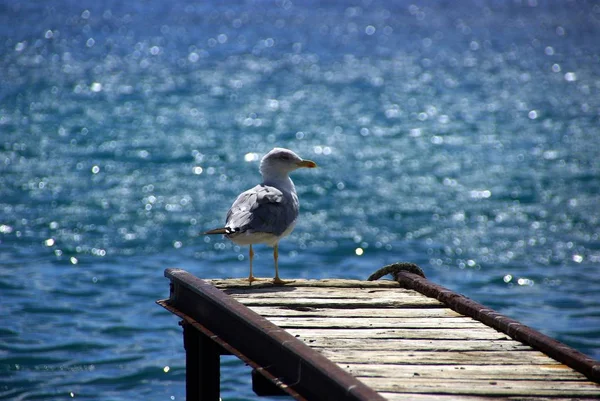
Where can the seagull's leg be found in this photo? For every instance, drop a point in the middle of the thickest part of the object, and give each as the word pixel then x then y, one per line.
pixel 277 280
pixel 276 259
pixel 251 278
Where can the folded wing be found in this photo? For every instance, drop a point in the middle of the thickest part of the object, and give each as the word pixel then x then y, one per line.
pixel 262 209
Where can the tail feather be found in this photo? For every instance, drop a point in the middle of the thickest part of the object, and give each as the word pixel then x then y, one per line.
pixel 222 230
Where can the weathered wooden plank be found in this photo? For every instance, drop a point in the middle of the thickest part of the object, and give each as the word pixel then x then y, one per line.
pixel 326 293
pixel 483 333
pixel 438 345
pixel 412 302
pixel 442 397
pixel 375 323
pixel 467 372
pixel 266 282
pixel 461 397
pixel 342 356
pixel 404 313
pixel 498 388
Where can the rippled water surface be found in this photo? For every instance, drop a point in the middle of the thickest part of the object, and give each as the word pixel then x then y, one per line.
pixel 462 136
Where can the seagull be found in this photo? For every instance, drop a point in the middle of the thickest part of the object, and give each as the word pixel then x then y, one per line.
pixel 268 212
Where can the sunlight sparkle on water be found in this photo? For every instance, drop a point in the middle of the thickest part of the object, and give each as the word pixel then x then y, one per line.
pixel 5 229
pixel 480 194
pixel 322 150
pixel 525 281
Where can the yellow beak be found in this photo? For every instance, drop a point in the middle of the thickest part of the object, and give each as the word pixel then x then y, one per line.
pixel 307 164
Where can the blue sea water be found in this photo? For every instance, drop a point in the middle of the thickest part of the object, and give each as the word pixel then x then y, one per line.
pixel 462 136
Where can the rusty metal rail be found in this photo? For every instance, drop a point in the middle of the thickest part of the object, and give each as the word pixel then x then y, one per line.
pixel 280 357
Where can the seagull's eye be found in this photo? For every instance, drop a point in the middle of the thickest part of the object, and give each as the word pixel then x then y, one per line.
pixel 284 157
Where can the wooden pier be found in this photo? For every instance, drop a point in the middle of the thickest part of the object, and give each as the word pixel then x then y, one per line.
pixel 369 340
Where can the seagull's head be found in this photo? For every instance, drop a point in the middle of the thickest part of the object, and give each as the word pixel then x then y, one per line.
pixel 283 161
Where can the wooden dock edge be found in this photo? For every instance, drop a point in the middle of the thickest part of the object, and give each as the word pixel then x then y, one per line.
pixel 283 359
pixel 516 330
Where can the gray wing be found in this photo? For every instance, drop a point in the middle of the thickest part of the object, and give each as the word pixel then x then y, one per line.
pixel 262 209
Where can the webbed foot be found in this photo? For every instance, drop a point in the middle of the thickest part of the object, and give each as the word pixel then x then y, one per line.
pixel 252 279
pixel 278 281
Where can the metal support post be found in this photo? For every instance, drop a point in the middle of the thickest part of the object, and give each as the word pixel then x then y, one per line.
pixel 202 366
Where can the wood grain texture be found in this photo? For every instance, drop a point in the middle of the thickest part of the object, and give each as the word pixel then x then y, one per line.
pixel 416 344
pixel 366 312
pixel 461 397
pixel 469 371
pixel 375 322
pixel 433 358
pixel 373 335
pixel 553 388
